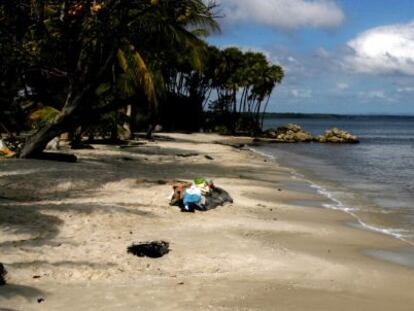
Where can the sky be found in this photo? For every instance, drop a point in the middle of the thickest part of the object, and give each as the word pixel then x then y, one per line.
pixel 339 56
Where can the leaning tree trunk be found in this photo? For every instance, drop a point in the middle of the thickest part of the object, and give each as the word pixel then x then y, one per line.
pixel 65 121
pixel 37 143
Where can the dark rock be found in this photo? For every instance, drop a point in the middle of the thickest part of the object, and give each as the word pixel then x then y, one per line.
pixel 3 273
pixel 154 249
pixel 208 157
pixel 187 155
pixel 127 159
pixel 40 300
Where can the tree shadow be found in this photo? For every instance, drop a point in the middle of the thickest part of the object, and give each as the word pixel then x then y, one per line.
pixel 64 263
pixel 24 184
pixel 28 293
pixel 29 219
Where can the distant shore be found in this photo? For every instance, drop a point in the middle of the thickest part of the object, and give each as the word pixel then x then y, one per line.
pixel 64 230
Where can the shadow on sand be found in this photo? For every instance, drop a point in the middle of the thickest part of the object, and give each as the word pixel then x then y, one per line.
pixel 11 291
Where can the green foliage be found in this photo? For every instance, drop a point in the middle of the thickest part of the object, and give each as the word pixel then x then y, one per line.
pixel 108 126
pixel 136 74
pixel 85 61
pixel 242 81
pixel 42 116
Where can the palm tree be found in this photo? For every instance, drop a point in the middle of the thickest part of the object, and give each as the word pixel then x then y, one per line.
pixel 95 41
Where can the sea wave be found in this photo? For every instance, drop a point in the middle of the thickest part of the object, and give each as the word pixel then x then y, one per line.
pixel 337 204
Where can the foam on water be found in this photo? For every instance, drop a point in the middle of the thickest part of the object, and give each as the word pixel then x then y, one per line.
pixel 339 205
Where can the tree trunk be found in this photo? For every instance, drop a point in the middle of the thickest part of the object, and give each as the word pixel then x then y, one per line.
pixel 37 143
pixel 65 121
pixel 71 115
pixel 264 113
pixel 127 124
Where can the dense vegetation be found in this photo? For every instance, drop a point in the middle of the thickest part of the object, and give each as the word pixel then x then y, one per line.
pixel 111 67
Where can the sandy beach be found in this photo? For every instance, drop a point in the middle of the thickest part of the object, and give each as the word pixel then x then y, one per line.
pixel 65 229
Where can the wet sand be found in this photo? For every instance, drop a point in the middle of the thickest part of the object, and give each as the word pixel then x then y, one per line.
pixel 65 229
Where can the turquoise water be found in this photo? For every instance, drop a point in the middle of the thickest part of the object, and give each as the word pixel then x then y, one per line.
pixel 373 180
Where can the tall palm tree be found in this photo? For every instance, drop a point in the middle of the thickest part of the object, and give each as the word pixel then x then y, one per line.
pixel 95 38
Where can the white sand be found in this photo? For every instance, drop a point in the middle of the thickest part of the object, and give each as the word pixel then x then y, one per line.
pixel 65 228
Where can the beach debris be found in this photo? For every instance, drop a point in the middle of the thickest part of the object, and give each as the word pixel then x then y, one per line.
pixel 192 198
pixel 187 155
pixel 150 181
pixel 3 273
pixel 153 249
pixel 209 157
pixel 4 150
pixel 200 195
pixel 54 144
pixel 40 300
pixel 337 136
pixel 179 188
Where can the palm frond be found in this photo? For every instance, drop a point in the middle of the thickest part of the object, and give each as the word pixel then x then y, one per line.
pixel 43 115
pixel 137 72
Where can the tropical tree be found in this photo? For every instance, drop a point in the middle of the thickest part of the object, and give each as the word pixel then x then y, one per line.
pixel 87 56
pixel 244 82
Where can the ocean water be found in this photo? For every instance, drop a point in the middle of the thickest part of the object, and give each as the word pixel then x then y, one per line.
pixel 373 181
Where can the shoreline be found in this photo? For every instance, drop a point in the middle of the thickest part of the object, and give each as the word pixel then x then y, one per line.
pixel 403 256
pixel 336 204
pixel 293 256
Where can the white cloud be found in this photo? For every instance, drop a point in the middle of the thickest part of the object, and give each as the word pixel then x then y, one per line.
pixel 298 93
pixel 407 89
pixel 342 86
pixel 286 14
pixel 321 52
pixel 375 94
pixel 386 49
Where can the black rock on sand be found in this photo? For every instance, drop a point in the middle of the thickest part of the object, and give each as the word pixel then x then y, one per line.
pixel 3 273
pixel 153 249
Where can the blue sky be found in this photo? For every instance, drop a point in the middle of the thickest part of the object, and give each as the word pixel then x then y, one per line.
pixel 343 56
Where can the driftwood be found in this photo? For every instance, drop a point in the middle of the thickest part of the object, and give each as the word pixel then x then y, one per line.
pixel 53 156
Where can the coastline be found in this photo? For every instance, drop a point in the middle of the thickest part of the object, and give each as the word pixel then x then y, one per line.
pixel 335 204
pixel 261 253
